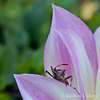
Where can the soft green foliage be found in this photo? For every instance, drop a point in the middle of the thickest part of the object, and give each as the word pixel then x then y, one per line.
pixel 7 65
pixel 24 27
pixel 4 96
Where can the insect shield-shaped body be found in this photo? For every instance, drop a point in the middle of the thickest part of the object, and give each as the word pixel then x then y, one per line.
pixel 59 74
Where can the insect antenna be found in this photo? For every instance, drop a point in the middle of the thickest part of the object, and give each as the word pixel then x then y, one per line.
pixel 60 65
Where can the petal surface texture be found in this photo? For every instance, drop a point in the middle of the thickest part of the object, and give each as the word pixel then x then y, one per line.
pixel 36 87
pixel 97 40
pixel 71 42
pixel 98 86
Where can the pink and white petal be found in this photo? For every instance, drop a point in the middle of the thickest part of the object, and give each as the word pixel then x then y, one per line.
pixel 70 41
pixel 97 40
pixel 97 97
pixel 98 85
pixel 80 60
pixel 36 87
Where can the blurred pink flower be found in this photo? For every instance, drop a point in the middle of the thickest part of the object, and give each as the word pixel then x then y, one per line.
pixel 70 42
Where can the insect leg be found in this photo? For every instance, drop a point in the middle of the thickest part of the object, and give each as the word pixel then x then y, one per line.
pixel 62 73
pixel 65 80
pixel 49 73
pixel 71 79
pixel 52 69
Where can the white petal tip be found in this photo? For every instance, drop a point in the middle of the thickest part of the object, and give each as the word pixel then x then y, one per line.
pixel 98 28
pixel 53 5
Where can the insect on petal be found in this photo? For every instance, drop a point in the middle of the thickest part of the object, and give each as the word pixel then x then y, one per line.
pixel 36 87
pixel 71 42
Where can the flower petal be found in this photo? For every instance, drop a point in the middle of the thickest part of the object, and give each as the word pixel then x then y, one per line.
pixel 70 41
pixel 97 40
pixel 36 87
pixel 98 85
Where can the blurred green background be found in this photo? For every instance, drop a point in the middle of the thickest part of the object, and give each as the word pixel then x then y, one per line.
pixel 24 27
